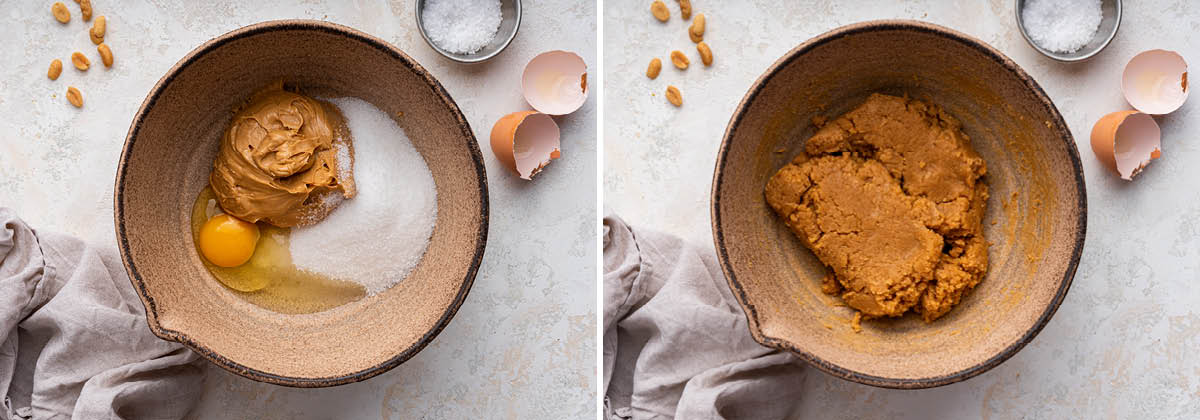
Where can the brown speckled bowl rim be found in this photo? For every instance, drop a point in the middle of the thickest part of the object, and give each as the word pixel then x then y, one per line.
pixel 1060 127
pixel 237 368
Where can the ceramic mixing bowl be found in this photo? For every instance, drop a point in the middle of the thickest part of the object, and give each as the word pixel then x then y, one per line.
pixel 1035 219
pixel 166 162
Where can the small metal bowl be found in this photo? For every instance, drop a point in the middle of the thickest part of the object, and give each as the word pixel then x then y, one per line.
pixel 1109 22
pixel 510 21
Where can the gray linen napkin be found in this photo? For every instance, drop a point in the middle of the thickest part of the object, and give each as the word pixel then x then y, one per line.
pixel 676 342
pixel 75 340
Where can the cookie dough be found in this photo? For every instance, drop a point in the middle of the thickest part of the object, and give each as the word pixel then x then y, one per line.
pixel 279 160
pixel 890 196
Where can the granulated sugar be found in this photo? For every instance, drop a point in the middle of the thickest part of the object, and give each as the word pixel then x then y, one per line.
pixel 332 199
pixel 1062 26
pixel 461 26
pixel 343 159
pixel 376 238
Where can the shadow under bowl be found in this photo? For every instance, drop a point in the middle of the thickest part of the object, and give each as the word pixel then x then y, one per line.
pixel 1035 220
pixel 166 161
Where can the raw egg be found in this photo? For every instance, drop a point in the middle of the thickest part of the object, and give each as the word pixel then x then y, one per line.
pixel 555 82
pixel 227 241
pixel 269 279
pixel 1155 82
pixel 1126 141
pixel 525 142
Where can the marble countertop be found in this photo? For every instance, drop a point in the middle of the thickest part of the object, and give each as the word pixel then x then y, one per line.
pixel 1123 343
pixel 522 345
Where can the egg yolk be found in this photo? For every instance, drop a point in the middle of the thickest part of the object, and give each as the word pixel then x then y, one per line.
pixel 228 241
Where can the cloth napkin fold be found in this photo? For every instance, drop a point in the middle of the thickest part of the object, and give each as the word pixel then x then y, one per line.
pixel 75 340
pixel 676 343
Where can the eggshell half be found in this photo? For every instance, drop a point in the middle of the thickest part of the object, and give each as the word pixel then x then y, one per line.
pixel 1155 82
pixel 555 82
pixel 525 142
pixel 1126 141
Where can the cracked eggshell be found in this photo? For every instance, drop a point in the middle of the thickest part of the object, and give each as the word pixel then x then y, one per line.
pixel 1126 141
pixel 555 82
pixel 1155 81
pixel 525 142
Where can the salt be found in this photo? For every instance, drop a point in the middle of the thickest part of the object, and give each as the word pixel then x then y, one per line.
pixel 1062 26
pixel 461 26
pixel 376 238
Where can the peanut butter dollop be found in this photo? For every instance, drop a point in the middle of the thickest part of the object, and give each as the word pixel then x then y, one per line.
pixel 278 162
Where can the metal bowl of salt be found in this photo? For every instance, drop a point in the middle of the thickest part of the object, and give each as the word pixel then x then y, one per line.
pixel 1109 22
pixel 439 27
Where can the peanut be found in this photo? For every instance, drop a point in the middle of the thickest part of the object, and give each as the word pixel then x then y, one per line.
pixel 696 31
pixel 98 28
pixel 107 57
pixel 659 10
pixel 55 69
pixel 85 9
pixel 655 67
pixel 673 96
pixel 61 14
pixel 679 60
pixel 685 9
pixel 705 53
pixel 80 61
pixel 74 97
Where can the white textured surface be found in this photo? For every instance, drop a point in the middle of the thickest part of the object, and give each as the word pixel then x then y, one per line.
pixel 1122 345
pixel 521 346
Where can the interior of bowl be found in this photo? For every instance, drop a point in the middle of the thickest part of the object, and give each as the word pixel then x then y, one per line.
pixel 1035 217
pixel 166 163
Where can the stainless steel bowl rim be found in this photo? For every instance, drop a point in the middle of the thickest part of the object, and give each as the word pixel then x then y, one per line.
pixel 1059 56
pixel 468 58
